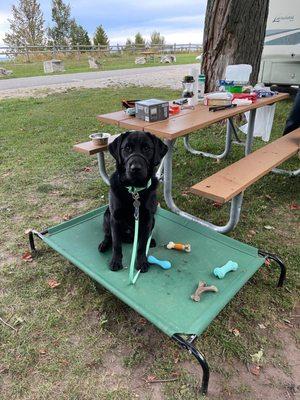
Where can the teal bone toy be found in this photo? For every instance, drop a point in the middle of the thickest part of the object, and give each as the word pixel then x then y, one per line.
pixel 161 263
pixel 220 272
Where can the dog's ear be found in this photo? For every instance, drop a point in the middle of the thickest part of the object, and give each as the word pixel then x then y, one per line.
pixel 160 149
pixel 115 147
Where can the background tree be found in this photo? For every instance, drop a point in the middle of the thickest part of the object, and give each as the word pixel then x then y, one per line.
pixel 78 35
pixel 129 45
pixel 101 37
pixel 61 16
pixel 26 25
pixel 156 39
pixel 233 34
pixel 139 41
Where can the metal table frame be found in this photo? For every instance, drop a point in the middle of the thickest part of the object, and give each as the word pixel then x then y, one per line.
pixel 228 142
pixel 165 172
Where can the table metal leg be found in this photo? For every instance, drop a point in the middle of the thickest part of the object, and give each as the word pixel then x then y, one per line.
pixel 203 153
pixel 249 139
pixel 102 168
pixel 235 208
pixel 160 172
pixel 279 171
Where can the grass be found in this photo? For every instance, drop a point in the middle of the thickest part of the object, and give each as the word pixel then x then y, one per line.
pixel 73 342
pixel 72 65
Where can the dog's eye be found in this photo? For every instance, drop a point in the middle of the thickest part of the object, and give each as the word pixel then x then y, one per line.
pixel 127 147
pixel 146 148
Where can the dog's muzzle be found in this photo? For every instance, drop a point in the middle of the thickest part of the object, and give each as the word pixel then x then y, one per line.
pixel 137 163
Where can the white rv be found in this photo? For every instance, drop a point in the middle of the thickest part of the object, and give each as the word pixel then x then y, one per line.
pixel 281 55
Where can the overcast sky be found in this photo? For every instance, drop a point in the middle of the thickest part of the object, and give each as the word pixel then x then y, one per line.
pixel 180 21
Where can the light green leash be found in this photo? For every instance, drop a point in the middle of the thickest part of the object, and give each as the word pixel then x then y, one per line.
pixel 134 191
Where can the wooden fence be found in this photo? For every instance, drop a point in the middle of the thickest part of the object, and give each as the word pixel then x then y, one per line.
pixel 29 52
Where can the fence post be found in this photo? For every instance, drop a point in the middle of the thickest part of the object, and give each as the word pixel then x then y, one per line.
pixel 78 52
pixel 189 48
pixel 27 54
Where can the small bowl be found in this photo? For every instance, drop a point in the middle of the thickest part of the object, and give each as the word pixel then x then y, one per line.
pixel 100 138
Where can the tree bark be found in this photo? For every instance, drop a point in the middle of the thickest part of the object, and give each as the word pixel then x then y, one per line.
pixel 233 34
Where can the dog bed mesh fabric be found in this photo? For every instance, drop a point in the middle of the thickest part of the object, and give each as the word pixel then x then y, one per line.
pixel 163 297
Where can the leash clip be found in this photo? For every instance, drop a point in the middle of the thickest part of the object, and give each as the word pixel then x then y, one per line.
pixel 136 205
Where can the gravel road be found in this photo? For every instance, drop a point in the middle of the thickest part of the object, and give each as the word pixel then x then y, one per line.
pixel 39 86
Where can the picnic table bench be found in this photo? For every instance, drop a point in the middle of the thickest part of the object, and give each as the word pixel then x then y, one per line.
pixel 234 179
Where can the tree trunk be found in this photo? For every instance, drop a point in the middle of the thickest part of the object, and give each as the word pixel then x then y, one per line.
pixel 233 34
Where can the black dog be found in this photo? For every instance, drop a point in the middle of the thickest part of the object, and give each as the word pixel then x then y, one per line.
pixel 137 156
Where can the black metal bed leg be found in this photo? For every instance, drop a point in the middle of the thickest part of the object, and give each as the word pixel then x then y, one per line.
pixel 31 242
pixel 282 267
pixel 199 357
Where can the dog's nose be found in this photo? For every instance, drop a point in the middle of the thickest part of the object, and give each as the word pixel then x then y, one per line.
pixel 135 167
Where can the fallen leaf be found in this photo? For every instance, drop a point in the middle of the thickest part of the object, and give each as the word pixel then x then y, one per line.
pixel 267 196
pixel 267 262
pixel 294 206
pixel 18 321
pixel 66 217
pixel 217 205
pixel 87 169
pixel 27 231
pixel 42 352
pixel 142 321
pixel 235 331
pixel 252 232
pixel 255 370
pixel 150 378
pixel 27 256
pixel 269 227
pixel 287 321
pixel 261 326
pixel 256 358
pixel 53 283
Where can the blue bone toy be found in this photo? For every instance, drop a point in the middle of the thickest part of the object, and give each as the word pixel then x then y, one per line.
pixel 220 272
pixel 161 263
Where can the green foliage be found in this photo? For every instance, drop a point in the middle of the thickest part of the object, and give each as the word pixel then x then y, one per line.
pixel 139 41
pixel 129 45
pixel 156 39
pixel 26 25
pixel 59 34
pixel 78 35
pixel 101 37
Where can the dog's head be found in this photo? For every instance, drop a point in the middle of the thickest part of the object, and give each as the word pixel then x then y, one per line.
pixel 137 154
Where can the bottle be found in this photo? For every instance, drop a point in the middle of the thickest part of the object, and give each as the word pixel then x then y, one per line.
pixel 201 86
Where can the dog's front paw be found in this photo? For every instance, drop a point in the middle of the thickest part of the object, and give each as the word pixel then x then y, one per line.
pixel 115 265
pixel 143 266
pixel 103 246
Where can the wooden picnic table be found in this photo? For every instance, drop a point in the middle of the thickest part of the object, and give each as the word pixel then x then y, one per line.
pixel 187 121
pixel 181 125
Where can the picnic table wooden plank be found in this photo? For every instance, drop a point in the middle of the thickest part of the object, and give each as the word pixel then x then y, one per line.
pixel 234 179
pixel 201 117
pixel 187 120
pixel 89 148
pixel 113 118
pixel 139 124
pixel 126 121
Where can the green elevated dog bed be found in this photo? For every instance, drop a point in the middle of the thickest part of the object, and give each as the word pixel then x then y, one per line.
pixel 163 297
